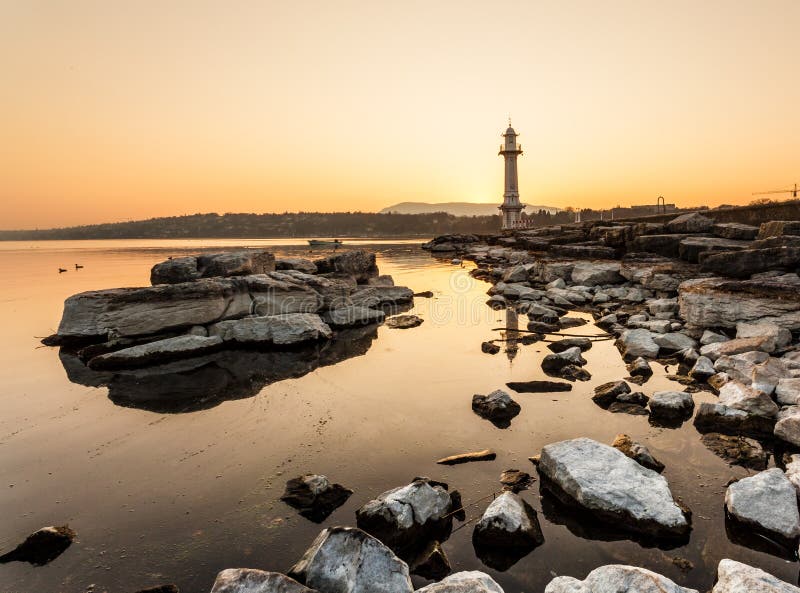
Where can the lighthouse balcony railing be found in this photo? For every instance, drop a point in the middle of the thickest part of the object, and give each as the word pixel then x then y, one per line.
pixel 517 148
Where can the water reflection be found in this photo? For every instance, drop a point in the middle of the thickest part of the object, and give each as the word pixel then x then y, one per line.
pixel 206 381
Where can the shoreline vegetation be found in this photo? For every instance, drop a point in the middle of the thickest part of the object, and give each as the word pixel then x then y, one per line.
pixel 288 225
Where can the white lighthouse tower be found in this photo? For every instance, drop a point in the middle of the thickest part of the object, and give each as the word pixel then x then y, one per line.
pixel 511 208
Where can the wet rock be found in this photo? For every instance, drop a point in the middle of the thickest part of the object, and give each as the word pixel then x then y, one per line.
pixel 617 578
pixel 735 577
pixel 690 223
pixel 787 427
pixel 489 348
pixel 42 546
pixel 607 393
pixel 715 302
pixel 561 345
pixel 432 563
pixel 594 273
pixel 464 582
pixel 508 530
pixel 352 316
pixel 766 502
pixel 634 343
pixel 404 517
pixel 628 408
pixel 291 328
pixel 314 496
pixel 638 452
pixel 357 264
pixel 703 369
pixel 752 401
pixel 498 407
pixel 404 321
pixel 485 455
pixel 543 328
pixel 515 480
pixel 250 580
pixel 569 322
pixel 736 450
pixel 721 418
pixel 570 356
pixel 671 405
pixel 539 386
pixel 157 352
pixel 639 368
pixel 637 397
pixel 613 487
pixel 538 312
pixel 572 372
pixel 348 560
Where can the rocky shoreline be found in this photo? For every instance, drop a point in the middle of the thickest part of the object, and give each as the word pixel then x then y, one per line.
pixel 657 292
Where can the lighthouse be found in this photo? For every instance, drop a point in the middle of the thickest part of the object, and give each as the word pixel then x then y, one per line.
pixel 511 208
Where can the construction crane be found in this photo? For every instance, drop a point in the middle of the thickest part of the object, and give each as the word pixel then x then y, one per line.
pixel 780 191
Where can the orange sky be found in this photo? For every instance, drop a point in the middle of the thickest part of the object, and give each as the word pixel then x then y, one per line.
pixel 115 110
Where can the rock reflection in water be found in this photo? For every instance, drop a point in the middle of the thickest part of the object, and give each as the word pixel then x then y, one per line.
pixel 584 524
pixel 744 535
pixel 206 381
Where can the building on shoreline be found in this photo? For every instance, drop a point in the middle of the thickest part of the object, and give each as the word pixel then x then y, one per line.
pixel 512 207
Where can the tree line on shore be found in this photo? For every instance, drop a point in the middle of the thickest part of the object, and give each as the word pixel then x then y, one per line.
pixel 297 224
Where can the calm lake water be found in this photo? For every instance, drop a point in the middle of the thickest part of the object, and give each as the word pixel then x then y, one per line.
pixel 164 493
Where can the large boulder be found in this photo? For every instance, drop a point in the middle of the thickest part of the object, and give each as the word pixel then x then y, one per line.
pixel 715 417
pixel 667 246
pixel 464 582
pixel 612 486
pixel 250 580
pixel 752 401
pixel 300 264
pixel 126 312
pixel 730 348
pixel 353 315
pixel 781 335
pixel 617 578
pixel 787 427
pixel 157 352
pixel 358 265
pixel 291 328
pixel 692 222
pixel 348 560
pixel 406 517
pixel 766 502
pixel 671 405
pixel 175 270
pixel 736 577
pixel 778 228
pixel 714 302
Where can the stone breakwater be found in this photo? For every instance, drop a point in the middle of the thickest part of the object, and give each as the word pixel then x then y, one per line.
pixel 207 303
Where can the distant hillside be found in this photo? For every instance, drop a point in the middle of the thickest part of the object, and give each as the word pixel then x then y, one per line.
pixel 458 208
pixel 299 224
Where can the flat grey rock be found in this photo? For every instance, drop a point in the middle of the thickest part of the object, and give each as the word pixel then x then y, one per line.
pixel 767 501
pixel 289 328
pixel 603 480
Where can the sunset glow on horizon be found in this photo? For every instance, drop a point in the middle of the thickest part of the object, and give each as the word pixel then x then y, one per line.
pixel 127 110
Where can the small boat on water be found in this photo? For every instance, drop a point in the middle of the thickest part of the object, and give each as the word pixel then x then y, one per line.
pixel 319 243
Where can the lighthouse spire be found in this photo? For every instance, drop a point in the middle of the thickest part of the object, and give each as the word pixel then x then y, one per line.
pixel 511 207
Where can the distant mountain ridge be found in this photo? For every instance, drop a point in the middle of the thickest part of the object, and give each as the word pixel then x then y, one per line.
pixel 459 208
